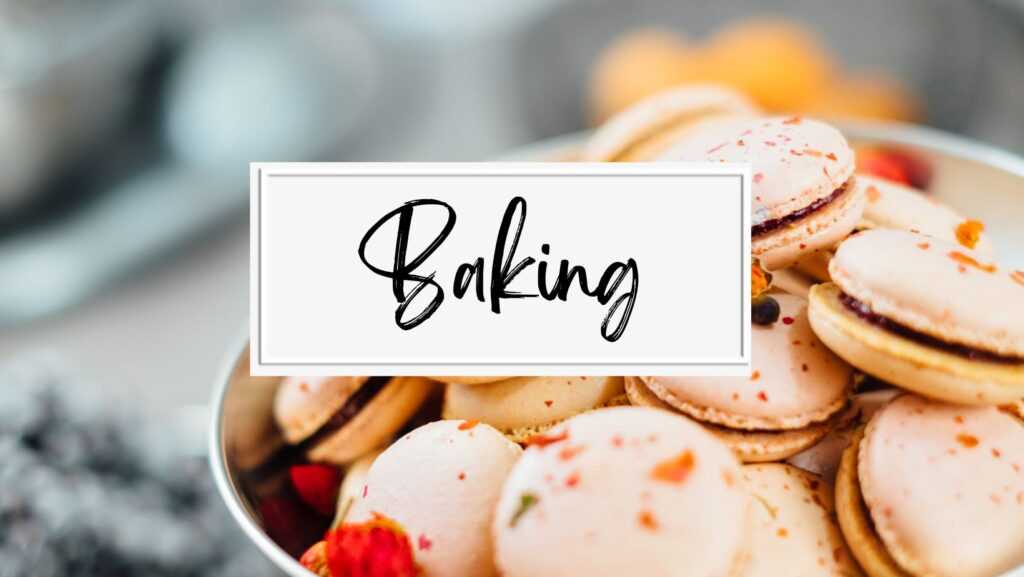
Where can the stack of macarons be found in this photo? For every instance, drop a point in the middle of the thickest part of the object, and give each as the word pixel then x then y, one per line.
pixel 880 432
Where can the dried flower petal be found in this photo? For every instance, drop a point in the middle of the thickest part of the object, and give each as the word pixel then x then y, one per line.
pixel 676 469
pixel 526 502
pixel 545 440
pixel 968 232
pixel 967 260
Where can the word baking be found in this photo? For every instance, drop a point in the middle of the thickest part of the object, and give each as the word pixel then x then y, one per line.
pixel 502 271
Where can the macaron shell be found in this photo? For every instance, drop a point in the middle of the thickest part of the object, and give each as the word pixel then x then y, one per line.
pixel 666 112
pixel 749 446
pixel 529 402
pixel 925 284
pixel 907 363
pixel 629 491
pixel 468 380
pixel 794 160
pixel 376 423
pixel 352 486
pixel 892 205
pixel 819 231
pixel 440 483
pixel 965 517
pixel 769 446
pixel 854 520
pixel 303 404
pixel 794 531
pixel 795 380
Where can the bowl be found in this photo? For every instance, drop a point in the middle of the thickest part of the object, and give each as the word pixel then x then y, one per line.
pixel 980 181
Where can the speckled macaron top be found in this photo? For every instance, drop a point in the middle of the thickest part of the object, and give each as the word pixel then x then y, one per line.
pixel 440 483
pixel 623 491
pixel 529 401
pixel 795 379
pixel 660 113
pixel 934 287
pixel 303 404
pixel 795 161
pixel 794 529
pixel 944 485
pixel 892 205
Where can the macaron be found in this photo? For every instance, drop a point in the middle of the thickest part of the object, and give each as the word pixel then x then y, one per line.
pixel 338 419
pixel 794 528
pixel 926 315
pixel 893 205
pixel 441 483
pixel 645 130
pixel 934 489
pixel 468 380
pixel 623 491
pixel 352 486
pixel 804 199
pixel 526 406
pixel 796 386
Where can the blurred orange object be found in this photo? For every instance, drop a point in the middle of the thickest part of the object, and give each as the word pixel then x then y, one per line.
pixel 781 65
pixel 874 96
pixel 637 65
pixel 895 165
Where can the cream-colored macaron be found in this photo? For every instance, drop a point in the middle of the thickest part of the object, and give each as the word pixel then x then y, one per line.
pixel 924 314
pixel 338 419
pixel 441 483
pixel 892 205
pixel 352 486
pixel 455 380
pixel 795 387
pixel 794 529
pixel 624 491
pixel 803 187
pixel 934 490
pixel 646 129
pixel 525 406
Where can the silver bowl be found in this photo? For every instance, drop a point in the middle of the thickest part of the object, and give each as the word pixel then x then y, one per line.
pixel 980 181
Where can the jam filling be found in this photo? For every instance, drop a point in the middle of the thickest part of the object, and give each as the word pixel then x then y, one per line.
pixel 863 311
pixel 776 223
pixel 350 409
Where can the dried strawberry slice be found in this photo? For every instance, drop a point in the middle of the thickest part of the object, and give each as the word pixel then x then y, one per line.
pixel 317 486
pixel 378 548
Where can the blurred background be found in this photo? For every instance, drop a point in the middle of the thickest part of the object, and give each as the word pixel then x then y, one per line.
pixel 127 126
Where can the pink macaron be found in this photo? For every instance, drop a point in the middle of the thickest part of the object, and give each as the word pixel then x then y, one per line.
pixel 802 168
pixel 440 483
pixel 795 387
pixel 927 315
pixel 935 490
pixel 623 491
pixel 794 528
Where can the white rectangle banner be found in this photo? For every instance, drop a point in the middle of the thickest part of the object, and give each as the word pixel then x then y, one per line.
pixel 500 269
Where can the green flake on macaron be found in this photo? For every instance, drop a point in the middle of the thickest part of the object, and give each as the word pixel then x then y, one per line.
pixel 526 502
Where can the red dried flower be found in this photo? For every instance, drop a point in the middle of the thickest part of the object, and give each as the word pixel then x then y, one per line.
pixel 377 548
